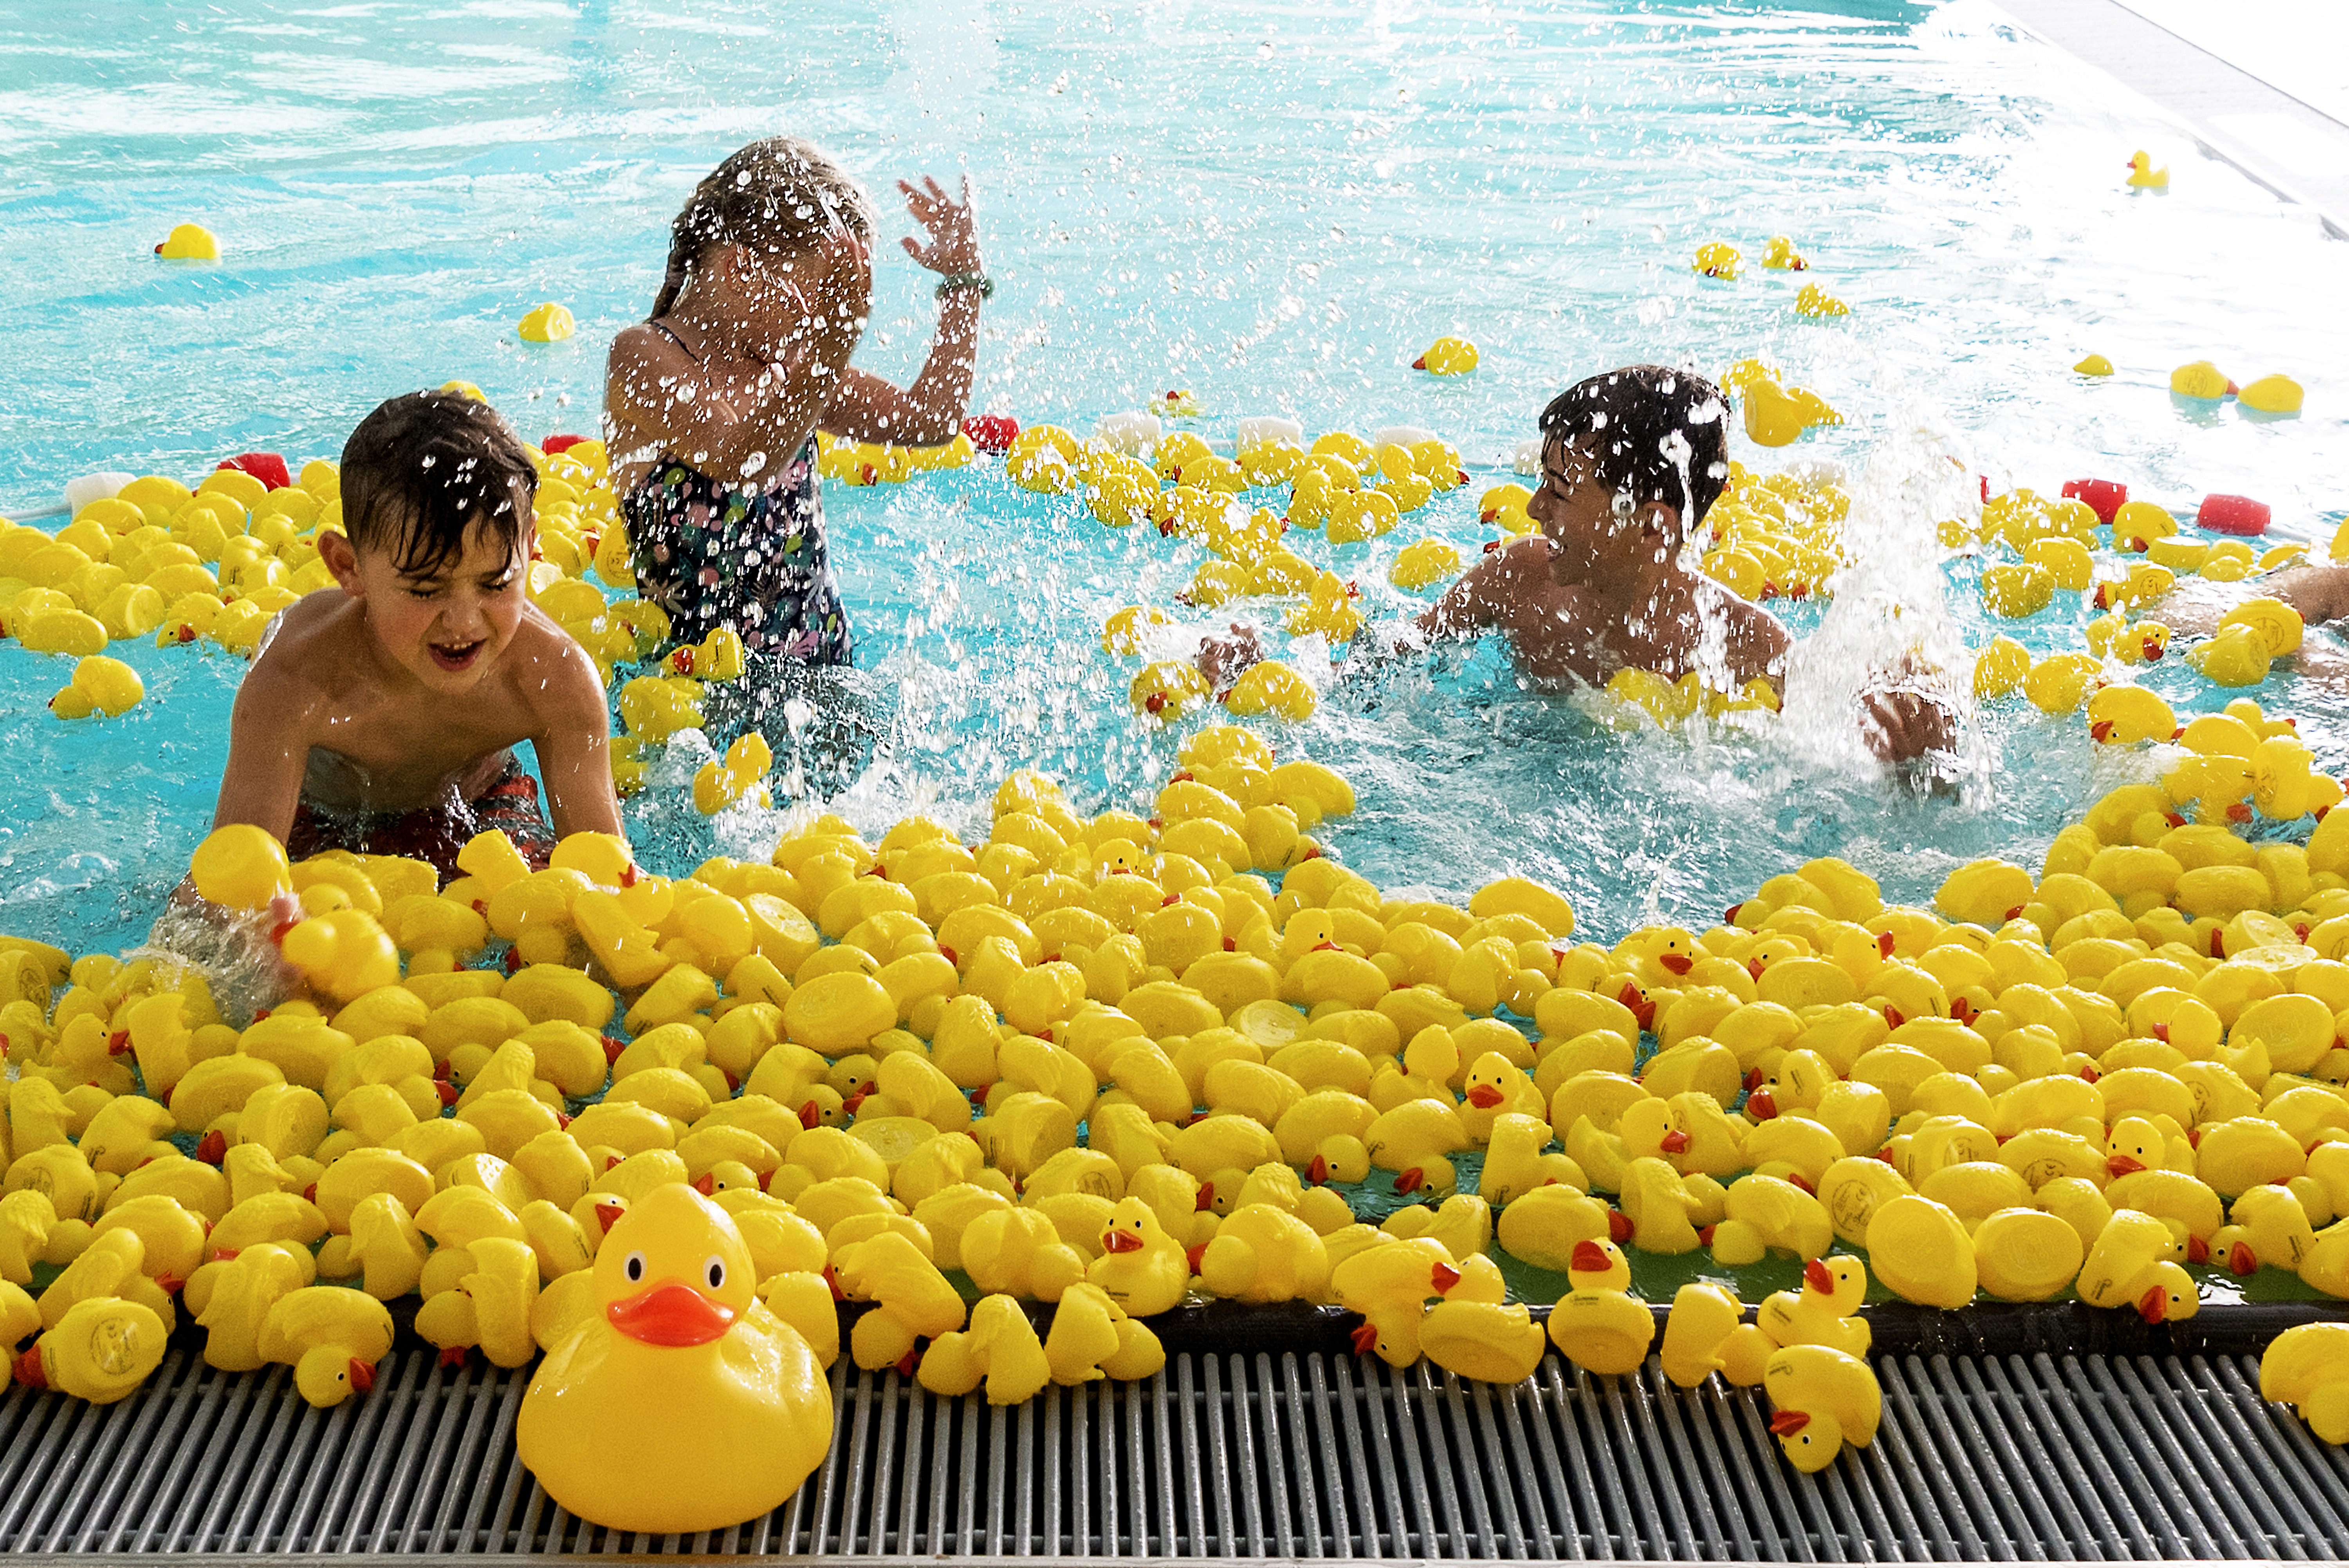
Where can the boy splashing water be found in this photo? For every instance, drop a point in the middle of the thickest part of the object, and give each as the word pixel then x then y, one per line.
pixel 380 716
pixel 1631 460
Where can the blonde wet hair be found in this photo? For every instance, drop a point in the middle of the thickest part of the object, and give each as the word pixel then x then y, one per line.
pixel 782 196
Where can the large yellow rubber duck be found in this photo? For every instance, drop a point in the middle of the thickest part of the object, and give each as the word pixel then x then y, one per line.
pixel 719 1407
pixel 1823 1399
pixel 2142 175
pixel 1599 1324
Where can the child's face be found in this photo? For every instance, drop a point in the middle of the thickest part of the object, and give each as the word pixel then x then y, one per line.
pixel 811 303
pixel 1586 535
pixel 445 624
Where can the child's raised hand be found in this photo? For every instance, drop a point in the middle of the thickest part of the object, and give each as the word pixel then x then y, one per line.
pixel 952 226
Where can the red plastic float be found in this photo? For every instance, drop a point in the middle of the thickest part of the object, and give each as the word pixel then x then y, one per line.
pixel 265 466
pixel 555 443
pixel 2232 514
pixel 991 432
pixel 2103 497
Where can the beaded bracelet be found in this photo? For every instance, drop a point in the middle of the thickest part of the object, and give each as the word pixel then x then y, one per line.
pixel 978 280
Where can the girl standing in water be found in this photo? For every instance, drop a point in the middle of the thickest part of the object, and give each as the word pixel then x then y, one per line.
pixel 711 405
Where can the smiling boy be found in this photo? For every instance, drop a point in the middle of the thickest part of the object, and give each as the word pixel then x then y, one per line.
pixel 380 716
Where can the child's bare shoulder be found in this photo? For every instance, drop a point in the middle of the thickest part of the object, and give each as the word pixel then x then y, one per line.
pixel 550 673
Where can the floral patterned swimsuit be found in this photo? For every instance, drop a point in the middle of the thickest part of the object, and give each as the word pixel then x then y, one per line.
pixel 711 554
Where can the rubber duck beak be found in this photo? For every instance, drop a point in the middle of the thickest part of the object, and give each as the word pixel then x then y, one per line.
pixel 29 1370
pixel 1618 1226
pixel 1786 1423
pixel 1207 1199
pixel 2241 1261
pixel 1118 1239
pixel 362 1374
pixel 1318 1171
pixel 1761 1105
pixel 1884 944
pixel 1589 1258
pixel 608 1215
pixel 810 1114
pixel 1409 1181
pixel 1366 1341
pixel 2153 1305
pixel 1674 1142
pixel 1443 1276
pixel 2121 1165
pixel 1820 1277
pixel 1679 963
pixel 670 1313
pixel 1483 1096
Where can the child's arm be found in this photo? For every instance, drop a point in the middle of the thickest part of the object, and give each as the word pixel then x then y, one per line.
pixel 863 407
pixel 268 750
pixel 574 745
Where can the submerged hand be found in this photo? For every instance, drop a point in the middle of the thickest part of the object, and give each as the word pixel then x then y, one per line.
pixel 1223 659
pixel 953 227
pixel 1900 724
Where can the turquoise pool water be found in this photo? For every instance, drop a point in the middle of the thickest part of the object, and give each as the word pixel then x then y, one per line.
pixel 1276 209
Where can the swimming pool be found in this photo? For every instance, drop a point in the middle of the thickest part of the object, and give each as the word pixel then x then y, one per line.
pixel 1277 212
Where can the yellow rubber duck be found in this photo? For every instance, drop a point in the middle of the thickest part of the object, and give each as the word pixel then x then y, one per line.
pixel 1701 1319
pixel 1448 357
pixel 999 1348
pixel 2307 1368
pixel 1922 1252
pixel 1389 1284
pixel 1515 1163
pixel 724 1408
pixel 1092 1338
pixel 1780 253
pixel 1261 1254
pixel 2133 1264
pixel 332 1338
pixel 1496 1088
pixel 1598 1325
pixel 100 1350
pixel 1823 1311
pixel 1486 1341
pixel 2142 175
pixel 1822 1399
pixel 1140 1268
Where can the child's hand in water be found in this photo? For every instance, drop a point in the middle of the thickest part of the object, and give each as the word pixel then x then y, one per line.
pixel 953 227
pixel 1900 724
pixel 1224 659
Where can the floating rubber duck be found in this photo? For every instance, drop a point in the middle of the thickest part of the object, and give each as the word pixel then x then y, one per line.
pixel 2307 1368
pixel 2142 175
pixel 1142 1268
pixel 2093 365
pixel 548 323
pixel 1780 253
pixel 1423 563
pixel 241 868
pixel 1486 1341
pixel 1448 356
pixel 2202 381
pixel 725 1409
pixel 1814 301
pixel 190 241
pixel 2235 657
pixel 999 1348
pixel 1822 1399
pixel 1598 1325
pixel 1018 1252
pixel 1718 259
pixel 737 776
pixel 2271 394
pixel 1271 686
pixel 99 685
pixel 332 1338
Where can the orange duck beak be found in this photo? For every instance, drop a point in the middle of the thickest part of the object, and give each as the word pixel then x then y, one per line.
pixel 1786 1423
pixel 362 1374
pixel 2153 1305
pixel 670 1313
pixel 1118 1239
pixel 1483 1096
pixel 1366 1340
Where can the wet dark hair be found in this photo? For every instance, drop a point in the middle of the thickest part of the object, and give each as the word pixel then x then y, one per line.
pixel 782 195
pixel 1626 420
pixel 428 469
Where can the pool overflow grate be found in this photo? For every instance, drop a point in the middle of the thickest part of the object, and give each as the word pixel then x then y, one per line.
pixel 1261 1455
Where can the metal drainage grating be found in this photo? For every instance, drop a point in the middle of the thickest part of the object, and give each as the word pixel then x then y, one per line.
pixel 1289 1455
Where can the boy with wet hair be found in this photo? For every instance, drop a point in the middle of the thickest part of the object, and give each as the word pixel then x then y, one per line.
pixel 380 715
pixel 1631 460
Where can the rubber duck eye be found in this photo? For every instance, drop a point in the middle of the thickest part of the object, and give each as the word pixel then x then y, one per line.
pixel 716 1270
pixel 635 1267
